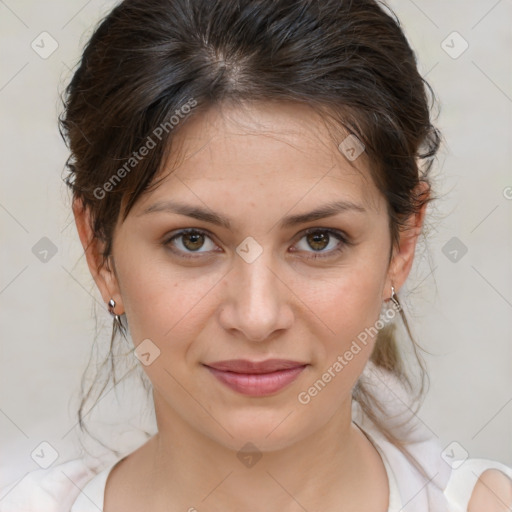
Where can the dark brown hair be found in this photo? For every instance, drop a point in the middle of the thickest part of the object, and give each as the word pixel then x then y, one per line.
pixel 348 60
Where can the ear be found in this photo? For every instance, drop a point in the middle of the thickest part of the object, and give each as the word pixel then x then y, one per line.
pixel 403 255
pixel 104 276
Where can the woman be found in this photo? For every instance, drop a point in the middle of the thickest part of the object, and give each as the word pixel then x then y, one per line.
pixel 250 179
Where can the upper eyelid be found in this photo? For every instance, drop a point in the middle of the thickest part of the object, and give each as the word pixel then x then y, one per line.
pixel 185 231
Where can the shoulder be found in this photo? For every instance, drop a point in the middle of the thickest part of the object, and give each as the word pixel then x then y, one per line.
pixel 492 492
pixel 481 485
pixel 47 490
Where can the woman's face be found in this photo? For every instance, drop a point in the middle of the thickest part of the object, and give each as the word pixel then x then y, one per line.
pixel 249 282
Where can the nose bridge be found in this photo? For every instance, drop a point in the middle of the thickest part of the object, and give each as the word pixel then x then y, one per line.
pixel 258 305
pixel 258 279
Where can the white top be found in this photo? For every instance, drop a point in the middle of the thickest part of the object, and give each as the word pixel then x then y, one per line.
pixel 74 486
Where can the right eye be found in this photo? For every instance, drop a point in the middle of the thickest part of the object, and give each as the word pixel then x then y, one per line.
pixel 189 241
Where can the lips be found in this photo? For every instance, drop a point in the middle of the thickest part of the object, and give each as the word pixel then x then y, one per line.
pixel 256 378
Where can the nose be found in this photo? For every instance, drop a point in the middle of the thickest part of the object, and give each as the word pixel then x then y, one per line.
pixel 257 303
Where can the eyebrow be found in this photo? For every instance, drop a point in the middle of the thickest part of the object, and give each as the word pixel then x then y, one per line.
pixel 324 211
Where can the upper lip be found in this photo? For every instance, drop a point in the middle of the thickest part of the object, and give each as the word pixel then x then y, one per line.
pixel 246 366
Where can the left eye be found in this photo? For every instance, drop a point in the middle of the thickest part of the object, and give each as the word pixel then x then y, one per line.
pixel 320 239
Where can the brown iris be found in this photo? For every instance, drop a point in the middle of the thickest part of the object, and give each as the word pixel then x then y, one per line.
pixel 196 241
pixel 318 237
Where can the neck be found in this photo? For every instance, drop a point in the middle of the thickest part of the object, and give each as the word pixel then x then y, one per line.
pixel 332 466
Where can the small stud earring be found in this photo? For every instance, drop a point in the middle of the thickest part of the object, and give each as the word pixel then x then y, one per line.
pixel 117 318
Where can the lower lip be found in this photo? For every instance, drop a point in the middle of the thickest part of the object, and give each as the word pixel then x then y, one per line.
pixel 261 384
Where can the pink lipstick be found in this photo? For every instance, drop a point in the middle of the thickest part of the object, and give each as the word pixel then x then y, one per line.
pixel 256 378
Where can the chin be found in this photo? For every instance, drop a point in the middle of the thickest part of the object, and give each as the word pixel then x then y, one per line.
pixel 268 432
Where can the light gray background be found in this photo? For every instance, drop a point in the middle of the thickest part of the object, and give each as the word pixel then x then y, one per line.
pixel 460 311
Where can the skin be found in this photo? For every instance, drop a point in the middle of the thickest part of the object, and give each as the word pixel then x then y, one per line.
pixel 254 166
pixel 492 493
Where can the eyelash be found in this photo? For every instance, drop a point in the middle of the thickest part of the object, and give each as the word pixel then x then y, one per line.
pixel 343 239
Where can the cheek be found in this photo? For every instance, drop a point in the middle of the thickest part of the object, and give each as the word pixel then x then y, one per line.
pixel 162 302
pixel 346 303
pixel 349 309
pixel 170 311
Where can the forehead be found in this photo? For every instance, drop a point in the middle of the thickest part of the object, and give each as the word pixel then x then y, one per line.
pixel 271 151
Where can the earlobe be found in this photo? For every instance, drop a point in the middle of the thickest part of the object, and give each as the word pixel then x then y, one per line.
pixel 102 271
